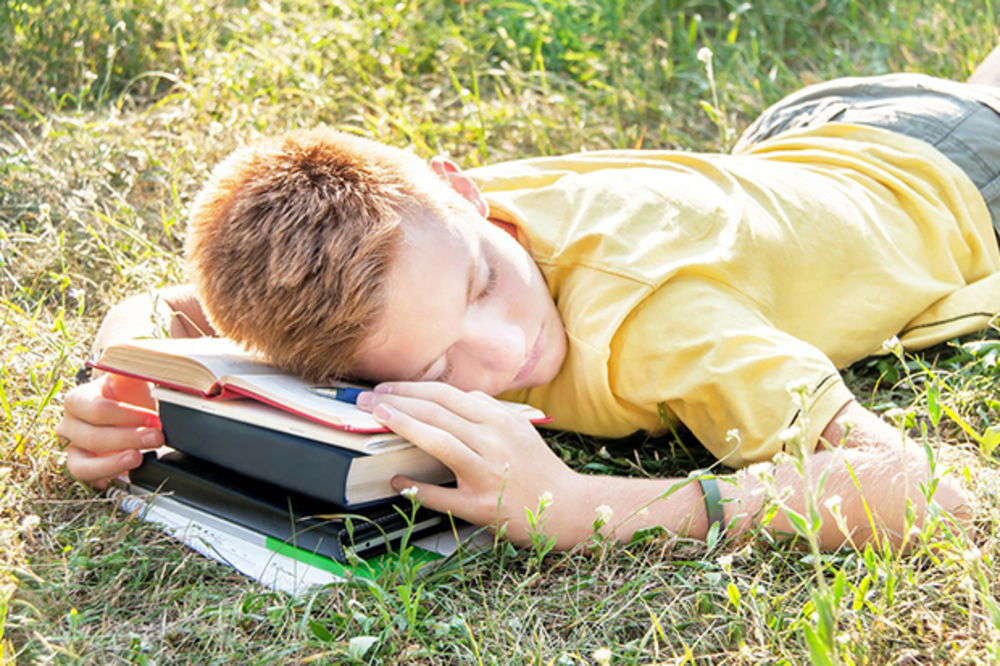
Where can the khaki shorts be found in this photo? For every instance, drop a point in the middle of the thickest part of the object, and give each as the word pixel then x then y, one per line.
pixel 959 119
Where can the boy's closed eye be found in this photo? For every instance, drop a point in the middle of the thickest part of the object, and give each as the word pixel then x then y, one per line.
pixel 488 286
pixel 491 283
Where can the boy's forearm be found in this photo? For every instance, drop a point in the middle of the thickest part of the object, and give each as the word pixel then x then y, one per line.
pixel 673 504
pixel 173 311
pixel 863 488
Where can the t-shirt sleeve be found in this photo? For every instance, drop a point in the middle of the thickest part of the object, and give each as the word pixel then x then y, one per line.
pixel 708 355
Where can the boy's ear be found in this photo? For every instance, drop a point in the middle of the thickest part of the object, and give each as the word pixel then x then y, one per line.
pixel 449 172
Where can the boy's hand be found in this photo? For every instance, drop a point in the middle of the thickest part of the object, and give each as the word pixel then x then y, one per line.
pixel 500 462
pixel 105 424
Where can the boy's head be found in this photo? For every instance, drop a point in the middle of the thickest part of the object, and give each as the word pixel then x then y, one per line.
pixel 336 256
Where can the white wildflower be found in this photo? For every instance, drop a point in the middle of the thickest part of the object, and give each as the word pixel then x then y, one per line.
pixel 972 556
pixel 790 434
pixel 409 493
pixel 892 345
pixel 604 514
pixel 602 656
pixel 705 54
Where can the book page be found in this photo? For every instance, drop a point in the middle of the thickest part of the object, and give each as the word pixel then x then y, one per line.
pixel 221 356
pixel 290 393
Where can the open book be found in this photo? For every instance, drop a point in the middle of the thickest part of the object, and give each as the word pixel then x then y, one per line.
pixel 219 368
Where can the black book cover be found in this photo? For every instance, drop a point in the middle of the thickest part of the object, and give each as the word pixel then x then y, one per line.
pixel 305 522
pixel 296 463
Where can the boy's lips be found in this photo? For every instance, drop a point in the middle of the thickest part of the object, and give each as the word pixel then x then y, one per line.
pixel 533 357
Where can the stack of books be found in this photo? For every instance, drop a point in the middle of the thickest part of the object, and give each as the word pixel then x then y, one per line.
pixel 262 457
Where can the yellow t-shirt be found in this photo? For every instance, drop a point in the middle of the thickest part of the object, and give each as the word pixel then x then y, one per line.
pixel 700 287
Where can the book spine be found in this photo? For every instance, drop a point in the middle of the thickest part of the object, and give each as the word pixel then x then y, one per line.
pixel 296 463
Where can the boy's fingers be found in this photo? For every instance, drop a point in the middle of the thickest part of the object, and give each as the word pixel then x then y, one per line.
pixel 476 406
pixel 96 470
pixel 102 411
pixel 431 495
pixel 433 414
pixel 103 440
pixel 434 440
pixel 128 390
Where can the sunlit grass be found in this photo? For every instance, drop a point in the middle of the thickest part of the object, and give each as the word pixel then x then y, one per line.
pixel 111 114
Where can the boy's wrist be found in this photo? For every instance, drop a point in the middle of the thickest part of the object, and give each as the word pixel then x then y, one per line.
pixel 571 515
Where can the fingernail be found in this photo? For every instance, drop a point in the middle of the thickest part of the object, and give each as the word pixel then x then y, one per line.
pixel 152 439
pixel 383 388
pixel 131 459
pixel 365 400
pixel 383 412
pixel 153 421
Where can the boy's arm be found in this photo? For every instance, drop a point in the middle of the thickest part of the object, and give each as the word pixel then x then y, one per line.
pixel 107 422
pixel 503 467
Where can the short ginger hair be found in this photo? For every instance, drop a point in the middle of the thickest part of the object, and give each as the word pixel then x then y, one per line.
pixel 290 241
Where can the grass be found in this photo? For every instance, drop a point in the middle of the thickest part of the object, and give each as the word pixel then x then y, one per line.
pixel 112 113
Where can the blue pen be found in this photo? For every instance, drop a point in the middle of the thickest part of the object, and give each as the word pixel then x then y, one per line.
pixel 342 393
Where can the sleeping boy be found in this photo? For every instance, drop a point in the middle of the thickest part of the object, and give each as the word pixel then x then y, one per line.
pixel 617 291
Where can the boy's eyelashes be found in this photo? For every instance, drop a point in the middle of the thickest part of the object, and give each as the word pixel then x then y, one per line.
pixel 491 283
pixel 448 367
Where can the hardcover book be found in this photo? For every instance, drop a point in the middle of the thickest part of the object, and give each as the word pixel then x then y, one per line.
pixel 345 468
